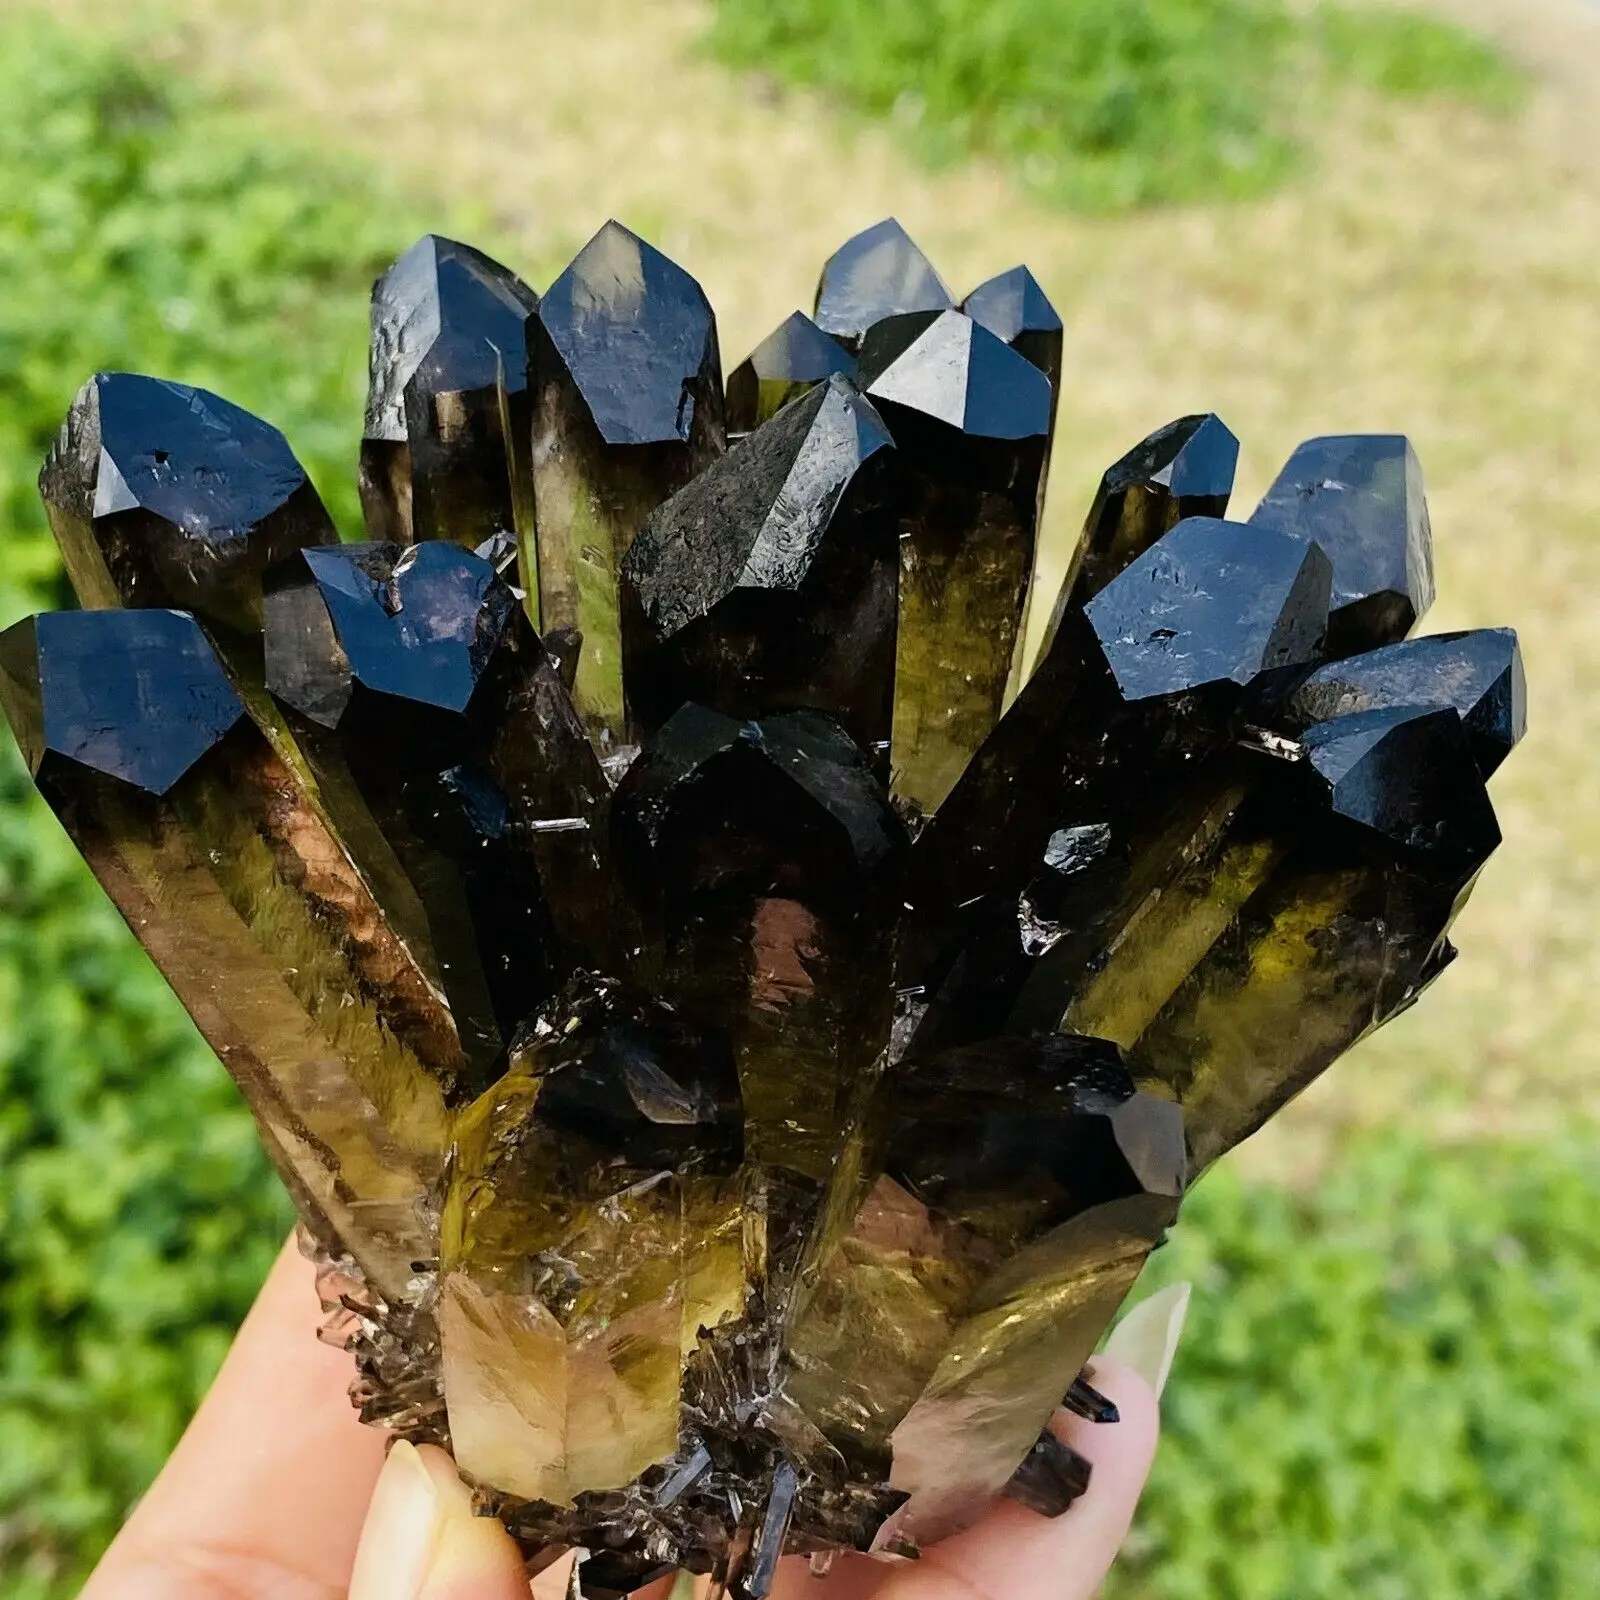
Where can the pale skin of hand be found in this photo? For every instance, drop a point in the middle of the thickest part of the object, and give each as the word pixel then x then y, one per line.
pixel 268 1492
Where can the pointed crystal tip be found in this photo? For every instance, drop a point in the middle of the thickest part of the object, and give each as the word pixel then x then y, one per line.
pixel 445 318
pixel 1012 304
pixel 134 695
pixel 1478 675
pixel 1361 497
pixel 954 371
pixel 1212 602
pixel 878 273
pixel 418 623
pixel 793 357
pixel 637 335
pixel 164 495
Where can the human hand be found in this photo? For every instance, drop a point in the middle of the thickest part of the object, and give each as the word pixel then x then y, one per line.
pixel 277 1492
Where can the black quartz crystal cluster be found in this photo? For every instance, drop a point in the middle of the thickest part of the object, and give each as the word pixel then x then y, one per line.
pixel 733 1032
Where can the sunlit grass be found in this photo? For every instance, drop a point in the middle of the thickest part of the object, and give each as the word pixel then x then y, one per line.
pixel 1107 104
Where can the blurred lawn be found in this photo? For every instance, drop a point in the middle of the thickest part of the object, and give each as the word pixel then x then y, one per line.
pixel 1107 104
pixel 1386 1386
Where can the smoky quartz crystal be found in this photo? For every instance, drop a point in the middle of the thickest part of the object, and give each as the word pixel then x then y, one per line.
pixel 734 1003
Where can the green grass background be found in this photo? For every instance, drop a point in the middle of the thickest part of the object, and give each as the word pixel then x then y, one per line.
pixel 1387 1388
pixel 1106 104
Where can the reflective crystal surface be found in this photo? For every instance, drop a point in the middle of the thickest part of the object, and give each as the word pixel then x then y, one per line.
pixel 971 419
pixel 628 407
pixel 790 360
pixel 878 273
pixel 770 581
pixel 414 672
pixel 1477 675
pixel 1013 307
pixel 253 913
pixel 734 1038
pixel 163 495
pixel 445 449
pixel 1182 470
pixel 1360 496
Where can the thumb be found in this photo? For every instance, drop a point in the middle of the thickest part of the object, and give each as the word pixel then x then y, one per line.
pixel 421 1540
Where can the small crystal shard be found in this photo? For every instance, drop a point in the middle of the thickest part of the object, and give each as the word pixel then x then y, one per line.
pixel 878 273
pixel 445 454
pixel 1051 1477
pixel 792 359
pixel 729 1066
pixel 1087 1402
pixel 1360 496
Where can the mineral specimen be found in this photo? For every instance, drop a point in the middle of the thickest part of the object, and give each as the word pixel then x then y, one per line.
pixel 445 453
pixel 730 1064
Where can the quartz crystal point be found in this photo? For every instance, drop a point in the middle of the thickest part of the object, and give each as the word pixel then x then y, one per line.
pixel 575 1257
pixel 445 453
pixel 1477 675
pixel 770 581
pixel 946 1321
pixel 766 862
pixel 1345 928
pixel 729 1072
pixel 628 408
pixel 417 666
pixel 1014 308
pixel 1361 498
pixel 254 915
pixel 790 360
pixel 1182 470
pixel 163 495
pixel 878 273
pixel 1135 692
pixel 971 419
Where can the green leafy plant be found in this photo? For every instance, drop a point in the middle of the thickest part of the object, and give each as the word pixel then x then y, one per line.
pixel 1105 104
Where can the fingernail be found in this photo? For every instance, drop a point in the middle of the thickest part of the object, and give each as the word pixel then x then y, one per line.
pixel 421 1540
pixel 1147 1337
pixel 401 1531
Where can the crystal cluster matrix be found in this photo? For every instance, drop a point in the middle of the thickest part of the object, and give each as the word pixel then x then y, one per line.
pixel 732 1031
